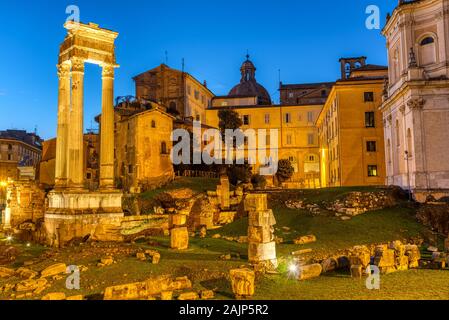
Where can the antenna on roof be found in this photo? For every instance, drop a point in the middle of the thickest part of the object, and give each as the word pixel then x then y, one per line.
pixel 166 57
pixel 183 65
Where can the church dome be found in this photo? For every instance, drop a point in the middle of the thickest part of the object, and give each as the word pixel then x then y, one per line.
pixel 248 86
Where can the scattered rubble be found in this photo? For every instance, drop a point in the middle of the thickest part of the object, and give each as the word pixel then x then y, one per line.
pixel 242 281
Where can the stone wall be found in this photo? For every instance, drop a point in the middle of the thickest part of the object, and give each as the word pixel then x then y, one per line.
pixel 435 215
pixel 25 202
pixel 133 225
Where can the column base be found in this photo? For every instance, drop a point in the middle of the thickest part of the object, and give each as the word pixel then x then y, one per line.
pixel 75 214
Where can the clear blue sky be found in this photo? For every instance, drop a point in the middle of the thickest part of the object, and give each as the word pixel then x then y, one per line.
pixel 304 39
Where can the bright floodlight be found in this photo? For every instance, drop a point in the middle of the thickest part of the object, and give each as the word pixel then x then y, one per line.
pixel 9 238
pixel 293 268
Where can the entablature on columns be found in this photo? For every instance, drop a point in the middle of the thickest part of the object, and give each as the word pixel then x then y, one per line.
pixel 88 42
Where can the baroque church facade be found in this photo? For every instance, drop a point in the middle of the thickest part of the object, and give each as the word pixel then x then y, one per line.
pixel 416 100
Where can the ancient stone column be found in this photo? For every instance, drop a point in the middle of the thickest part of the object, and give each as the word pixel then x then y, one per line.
pixel 63 122
pixel 75 141
pixel 261 240
pixel 107 129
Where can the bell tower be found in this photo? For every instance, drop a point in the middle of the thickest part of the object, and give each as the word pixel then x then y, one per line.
pixel 349 64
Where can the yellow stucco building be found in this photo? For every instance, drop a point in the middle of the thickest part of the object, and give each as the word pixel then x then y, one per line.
pixel 350 127
pixel 295 125
pixel 142 147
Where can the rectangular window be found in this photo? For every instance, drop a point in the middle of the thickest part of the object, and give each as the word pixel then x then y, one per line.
pixel 369 120
pixel 289 139
pixel 371 146
pixel 372 171
pixel 288 118
pixel 246 120
pixel 310 116
pixel 311 139
pixel 369 96
pixel 267 119
pixel 268 140
pixel 9 157
pixel 130 169
pixel 197 95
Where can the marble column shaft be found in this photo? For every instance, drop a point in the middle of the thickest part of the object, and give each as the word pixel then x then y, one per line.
pixel 107 129
pixel 63 122
pixel 76 128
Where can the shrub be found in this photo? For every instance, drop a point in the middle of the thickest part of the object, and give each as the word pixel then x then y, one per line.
pixel 285 170
pixel 239 174
pixel 258 181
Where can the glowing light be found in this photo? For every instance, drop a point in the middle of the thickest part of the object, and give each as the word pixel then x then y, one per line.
pixel 9 238
pixel 293 268
pixel 3 183
pixel 28 244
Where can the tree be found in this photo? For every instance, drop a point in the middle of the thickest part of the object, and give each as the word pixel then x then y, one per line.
pixel 285 170
pixel 229 119
pixel 258 181
pixel 239 174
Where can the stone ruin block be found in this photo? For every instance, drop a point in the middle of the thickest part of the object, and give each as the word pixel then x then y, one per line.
pixel 385 260
pixel 414 255
pixel 177 220
pixel 145 289
pixel 256 202
pixel 305 240
pixel 260 234
pixel 226 217
pixel 262 218
pixel 259 252
pixel 357 271
pixel 360 255
pixel 223 193
pixel 402 263
pixel 398 247
pixel 179 238
pixel 242 282
pixel 310 271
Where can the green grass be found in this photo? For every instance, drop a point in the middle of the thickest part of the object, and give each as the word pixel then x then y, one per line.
pixel 332 233
pixel 202 263
pixel 406 285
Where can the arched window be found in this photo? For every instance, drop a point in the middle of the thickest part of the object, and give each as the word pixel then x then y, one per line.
pixel 409 142
pixel 153 124
pixel 427 51
pixel 172 106
pixel 164 147
pixel 427 40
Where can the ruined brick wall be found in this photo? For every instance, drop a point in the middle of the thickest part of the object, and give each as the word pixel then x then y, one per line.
pixel 25 201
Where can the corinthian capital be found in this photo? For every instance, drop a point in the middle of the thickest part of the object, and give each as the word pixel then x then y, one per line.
pixel 63 70
pixel 77 65
pixel 417 103
pixel 108 71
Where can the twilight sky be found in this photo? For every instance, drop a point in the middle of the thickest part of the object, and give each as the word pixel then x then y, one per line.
pixel 304 39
